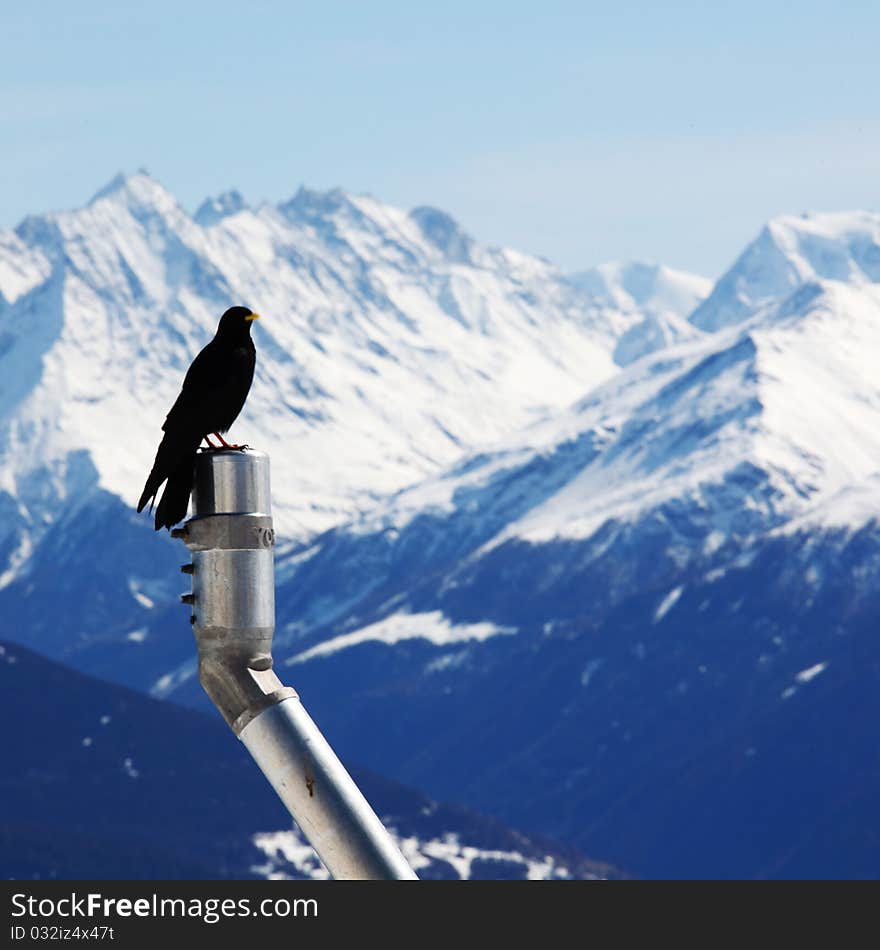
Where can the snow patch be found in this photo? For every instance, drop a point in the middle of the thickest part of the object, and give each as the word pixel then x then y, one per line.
pixel 288 847
pixel 288 851
pixel 433 627
pixel 811 672
pixel 450 849
pixel 170 681
pixel 668 602
pixel 141 597
pixel 590 670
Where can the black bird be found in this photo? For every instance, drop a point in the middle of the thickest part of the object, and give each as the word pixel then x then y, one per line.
pixel 214 390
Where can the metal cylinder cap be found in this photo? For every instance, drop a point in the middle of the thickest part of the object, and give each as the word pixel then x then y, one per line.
pixel 231 482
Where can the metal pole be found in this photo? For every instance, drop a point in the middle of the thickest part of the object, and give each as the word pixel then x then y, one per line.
pixel 233 596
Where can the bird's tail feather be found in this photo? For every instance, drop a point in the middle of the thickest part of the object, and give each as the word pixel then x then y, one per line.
pixel 154 480
pixel 174 502
pixel 174 462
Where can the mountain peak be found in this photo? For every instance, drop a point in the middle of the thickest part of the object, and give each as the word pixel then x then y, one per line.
pixel 139 183
pixel 139 192
pixel 789 251
pixel 312 204
pixel 215 209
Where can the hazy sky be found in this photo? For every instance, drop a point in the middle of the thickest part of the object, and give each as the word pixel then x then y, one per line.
pixel 580 131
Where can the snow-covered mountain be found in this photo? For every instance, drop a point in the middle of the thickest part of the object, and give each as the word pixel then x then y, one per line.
pixel 391 342
pixel 668 589
pixel 599 568
pixel 794 395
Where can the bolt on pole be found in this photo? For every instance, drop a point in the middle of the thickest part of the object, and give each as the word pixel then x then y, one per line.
pixel 233 616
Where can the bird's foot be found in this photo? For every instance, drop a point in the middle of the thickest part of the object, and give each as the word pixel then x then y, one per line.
pixel 226 445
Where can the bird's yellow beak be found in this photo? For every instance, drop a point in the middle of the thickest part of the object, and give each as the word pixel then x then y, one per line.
pixel 252 316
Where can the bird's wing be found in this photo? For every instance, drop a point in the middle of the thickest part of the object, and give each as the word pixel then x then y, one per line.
pixel 205 380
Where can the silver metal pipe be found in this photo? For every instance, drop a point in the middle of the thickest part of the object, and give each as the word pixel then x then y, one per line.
pixel 328 806
pixel 233 597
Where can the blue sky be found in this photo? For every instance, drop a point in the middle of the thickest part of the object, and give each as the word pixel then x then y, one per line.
pixel 583 132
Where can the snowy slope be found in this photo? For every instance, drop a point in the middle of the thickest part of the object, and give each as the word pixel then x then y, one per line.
pixel 391 343
pixel 794 395
pixel 756 427
pixel 791 392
